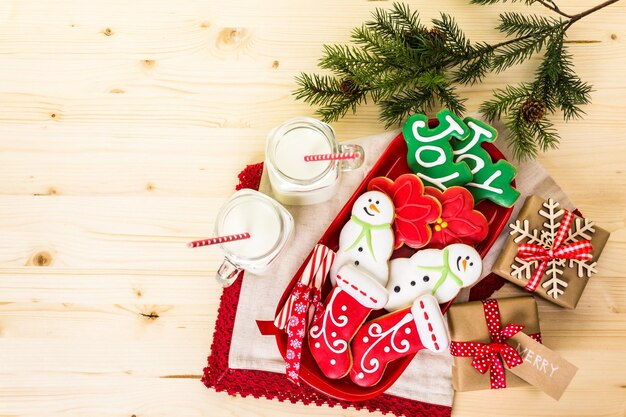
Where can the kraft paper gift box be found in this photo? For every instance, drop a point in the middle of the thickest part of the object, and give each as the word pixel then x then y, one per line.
pixel 566 274
pixel 468 323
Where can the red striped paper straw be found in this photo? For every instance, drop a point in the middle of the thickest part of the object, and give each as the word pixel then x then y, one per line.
pixel 331 156
pixel 218 239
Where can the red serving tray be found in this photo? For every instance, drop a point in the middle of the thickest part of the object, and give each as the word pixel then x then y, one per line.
pixel 391 164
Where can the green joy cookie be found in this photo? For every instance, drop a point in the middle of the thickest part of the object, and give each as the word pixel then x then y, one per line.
pixel 490 180
pixel 430 154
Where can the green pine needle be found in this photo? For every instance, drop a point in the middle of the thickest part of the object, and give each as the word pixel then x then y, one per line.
pixel 408 67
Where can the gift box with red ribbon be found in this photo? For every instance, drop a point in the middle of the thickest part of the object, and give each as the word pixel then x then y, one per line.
pixel 551 252
pixel 480 332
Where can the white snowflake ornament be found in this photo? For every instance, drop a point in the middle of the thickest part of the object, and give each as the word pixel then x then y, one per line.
pixel 551 251
pixel 552 214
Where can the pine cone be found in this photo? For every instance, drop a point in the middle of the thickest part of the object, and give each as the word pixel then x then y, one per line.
pixel 348 87
pixel 533 110
pixel 436 34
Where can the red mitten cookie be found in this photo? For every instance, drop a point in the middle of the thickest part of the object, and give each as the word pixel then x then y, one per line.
pixel 414 210
pixel 459 222
pixel 347 306
pixel 396 335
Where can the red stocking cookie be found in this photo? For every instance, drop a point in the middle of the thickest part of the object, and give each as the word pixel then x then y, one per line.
pixel 396 335
pixel 347 306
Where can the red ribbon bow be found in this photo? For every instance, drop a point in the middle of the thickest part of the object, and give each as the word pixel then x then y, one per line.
pixel 489 356
pixel 528 252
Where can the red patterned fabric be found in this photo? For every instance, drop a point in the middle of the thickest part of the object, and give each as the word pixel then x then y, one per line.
pixel 221 378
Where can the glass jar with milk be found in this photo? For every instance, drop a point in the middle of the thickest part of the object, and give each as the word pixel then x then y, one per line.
pixel 268 224
pixel 296 182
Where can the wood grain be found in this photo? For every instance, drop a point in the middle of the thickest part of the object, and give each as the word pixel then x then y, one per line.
pixel 122 128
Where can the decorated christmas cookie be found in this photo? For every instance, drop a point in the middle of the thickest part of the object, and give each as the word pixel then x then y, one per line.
pixel 459 222
pixel 441 273
pixel 429 152
pixel 396 335
pixel 347 306
pixel 366 241
pixel 490 180
pixel 414 210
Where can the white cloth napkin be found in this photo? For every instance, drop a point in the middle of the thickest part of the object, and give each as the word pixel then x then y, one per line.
pixel 428 377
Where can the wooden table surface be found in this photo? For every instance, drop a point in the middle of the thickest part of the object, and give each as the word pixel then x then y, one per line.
pixel 123 125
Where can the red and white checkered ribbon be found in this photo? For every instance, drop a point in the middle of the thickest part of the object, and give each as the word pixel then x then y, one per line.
pixel 486 356
pixel 528 252
pixel 303 305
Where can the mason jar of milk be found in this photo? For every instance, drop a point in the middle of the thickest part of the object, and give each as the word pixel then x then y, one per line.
pixel 269 227
pixel 296 182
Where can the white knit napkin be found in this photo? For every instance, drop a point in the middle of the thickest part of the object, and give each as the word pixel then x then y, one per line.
pixel 428 377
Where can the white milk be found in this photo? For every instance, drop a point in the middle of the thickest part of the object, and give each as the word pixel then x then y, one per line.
pixel 294 181
pixel 294 145
pixel 258 218
pixel 270 226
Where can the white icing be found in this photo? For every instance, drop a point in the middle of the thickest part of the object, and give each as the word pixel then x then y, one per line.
pixel 368 291
pixel 412 277
pixel 338 345
pixel 439 181
pixel 487 184
pixel 436 321
pixel 374 207
pixel 441 158
pixel 332 361
pixel 453 126
pixel 478 162
pixel 376 332
pixel 478 132
pixel 379 211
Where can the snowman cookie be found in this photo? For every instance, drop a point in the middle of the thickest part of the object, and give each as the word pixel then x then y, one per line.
pixel 439 272
pixel 366 241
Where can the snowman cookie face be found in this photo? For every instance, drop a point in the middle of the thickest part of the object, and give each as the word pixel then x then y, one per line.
pixel 465 263
pixel 373 208
pixel 441 273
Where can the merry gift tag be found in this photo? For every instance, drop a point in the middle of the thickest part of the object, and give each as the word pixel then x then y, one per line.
pixel 542 367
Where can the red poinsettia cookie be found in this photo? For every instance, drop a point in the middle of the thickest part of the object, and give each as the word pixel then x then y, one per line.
pixel 459 222
pixel 414 209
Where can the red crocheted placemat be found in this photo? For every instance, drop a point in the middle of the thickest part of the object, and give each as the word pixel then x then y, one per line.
pixel 219 376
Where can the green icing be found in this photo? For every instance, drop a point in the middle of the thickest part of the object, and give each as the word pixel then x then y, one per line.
pixel 366 231
pixel 430 155
pixel 446 272
pixel 490 180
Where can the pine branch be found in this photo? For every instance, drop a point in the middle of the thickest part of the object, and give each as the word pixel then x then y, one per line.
pixel 475 68
pixel 512 23
pixel 520 137
pixel 405 67
pixel 486 2
pixel 505 100
pixel 398 107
